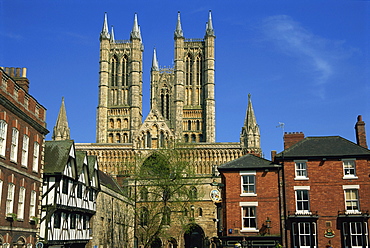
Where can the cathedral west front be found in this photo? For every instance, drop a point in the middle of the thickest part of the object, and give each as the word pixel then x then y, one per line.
pixel 182 115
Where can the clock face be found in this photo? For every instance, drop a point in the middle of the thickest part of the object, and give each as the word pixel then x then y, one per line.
pixel 215 195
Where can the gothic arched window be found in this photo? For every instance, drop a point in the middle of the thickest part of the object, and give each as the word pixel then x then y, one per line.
pixel 188 69
pixel 114 71
pixel 111 123
pixel 118 138
pixel 148 140
pixel 144 216
pixel 193 139
pixel 198 125
pixel 125 73
pixel 110 138
pixel 186 137
pixel 189 125
pixel 119 123
pixel 199 70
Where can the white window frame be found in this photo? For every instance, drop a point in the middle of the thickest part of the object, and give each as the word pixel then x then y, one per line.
pixel 349 172
pixel 14 146
pixel 248 173
pixel 10 199
pixel 302 188
pixel 355 235
pixel 21 199
pixel 36 152
pixel 3 134
pixel 25 146
pixel 244 205
pixel 302 231
pixel 355 202
pixel 33 203
pixel 299 171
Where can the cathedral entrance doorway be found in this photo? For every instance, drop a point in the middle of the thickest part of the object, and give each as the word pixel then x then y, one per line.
pixel 194 237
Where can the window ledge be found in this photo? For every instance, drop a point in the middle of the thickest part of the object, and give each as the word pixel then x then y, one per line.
pixel 250 230
pixel 301 178
pixel 248 194
pixel 352 212
pixel 350 177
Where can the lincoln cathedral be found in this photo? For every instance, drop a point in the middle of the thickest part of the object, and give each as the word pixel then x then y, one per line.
pixel 182 114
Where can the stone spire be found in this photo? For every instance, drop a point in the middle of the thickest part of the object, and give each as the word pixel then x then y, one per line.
pixel 135 33
pixel 104 34
pixel 112 35
pixel 61 130
pixel 250 135
pixel 178 31
pixel 155 66
pixel 209 26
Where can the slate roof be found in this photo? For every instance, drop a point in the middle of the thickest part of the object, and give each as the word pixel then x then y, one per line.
pixel 327 146
pixel 248 161
pixel 109 182
pixel 56 155
pixel 80 157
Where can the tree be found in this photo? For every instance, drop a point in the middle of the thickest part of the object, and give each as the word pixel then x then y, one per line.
pixel 163 185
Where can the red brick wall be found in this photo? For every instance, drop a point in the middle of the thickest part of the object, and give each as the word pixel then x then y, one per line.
pixel 326 192
pixel 267 198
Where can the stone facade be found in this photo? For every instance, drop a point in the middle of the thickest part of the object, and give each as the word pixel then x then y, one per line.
pixel 182 115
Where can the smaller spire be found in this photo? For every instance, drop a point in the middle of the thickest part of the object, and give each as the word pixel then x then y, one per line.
pixel 61 130
pixel 178 31
pixel 250 135
pixel 105 33
pixel 112 35
pixel 135 33
pixel 209 26
pixel 155 61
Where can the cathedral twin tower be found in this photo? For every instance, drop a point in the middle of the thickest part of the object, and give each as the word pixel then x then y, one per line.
pixel 182 102
pixel 182 98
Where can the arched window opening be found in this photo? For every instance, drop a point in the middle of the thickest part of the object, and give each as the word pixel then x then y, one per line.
pixel 110 138
pixel 189 125
pixel 125 123
pixel 200 212
pixel 119 123
pixel 186 137
pixel 198 125
pixel 114 71
pixel 144 216
pixel 193 193
pixel 111 123
pixel 125 73
pixel 188 69
pixel 161 139
pixel 193 139
pixel 118 138
pixel 125 138
pixel 144 194
pixel 148 140
pixel 199 70
pixel 200 137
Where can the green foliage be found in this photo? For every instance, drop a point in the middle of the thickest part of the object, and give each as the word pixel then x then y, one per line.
pixel 162 187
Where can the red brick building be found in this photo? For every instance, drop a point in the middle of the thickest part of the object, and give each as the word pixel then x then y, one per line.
pixel 250 202
pixel 22 132
pixel 326 186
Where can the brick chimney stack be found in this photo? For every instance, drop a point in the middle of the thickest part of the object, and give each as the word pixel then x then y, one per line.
pixel 291 138
pixel 360 132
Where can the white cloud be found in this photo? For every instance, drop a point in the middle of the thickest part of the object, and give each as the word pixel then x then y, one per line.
pixel 317 53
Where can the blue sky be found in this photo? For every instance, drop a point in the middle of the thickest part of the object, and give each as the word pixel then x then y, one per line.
pixel 305 63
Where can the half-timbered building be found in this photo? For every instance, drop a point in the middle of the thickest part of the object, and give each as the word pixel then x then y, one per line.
pixel 69 195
